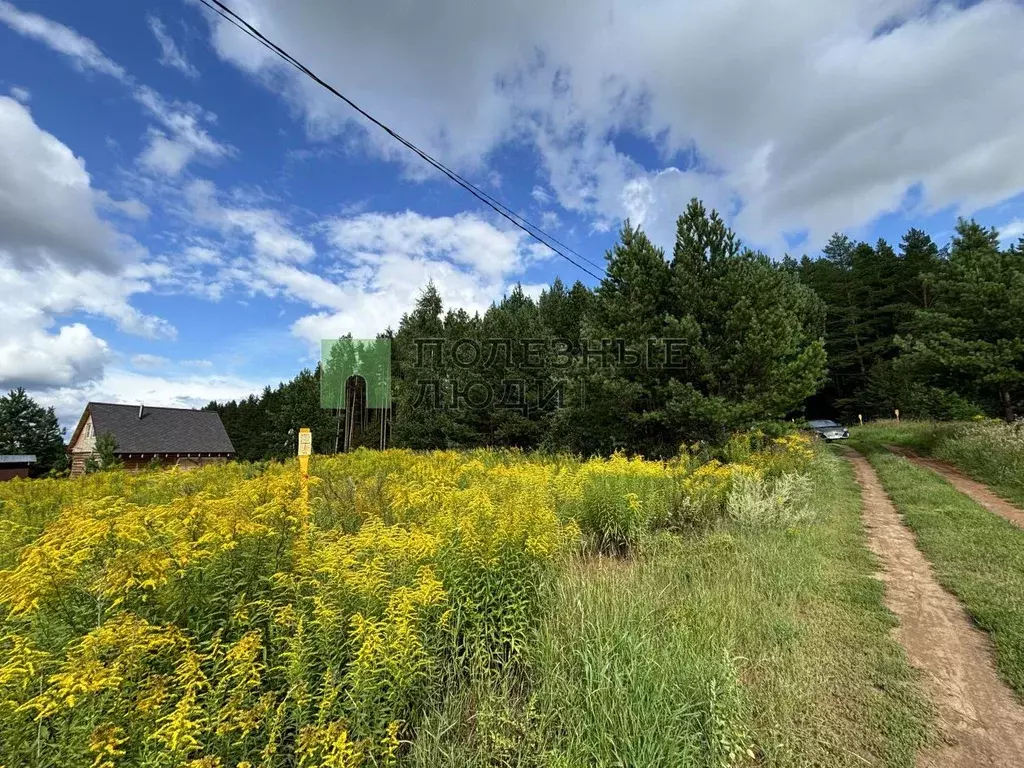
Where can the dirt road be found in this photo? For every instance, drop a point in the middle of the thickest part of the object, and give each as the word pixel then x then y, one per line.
pixel 980 722
pixel 977 491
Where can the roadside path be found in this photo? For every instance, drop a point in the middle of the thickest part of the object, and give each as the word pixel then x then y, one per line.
pixel 979 492
pixel 980 721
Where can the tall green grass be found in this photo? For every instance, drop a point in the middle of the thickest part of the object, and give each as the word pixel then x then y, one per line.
pixel 751 644
pixel 977 555
pixel 990 451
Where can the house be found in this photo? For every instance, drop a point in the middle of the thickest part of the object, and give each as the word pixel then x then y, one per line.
pixel 172 436
pixel 15 466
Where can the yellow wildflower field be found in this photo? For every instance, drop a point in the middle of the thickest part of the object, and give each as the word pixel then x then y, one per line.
pixel 232 616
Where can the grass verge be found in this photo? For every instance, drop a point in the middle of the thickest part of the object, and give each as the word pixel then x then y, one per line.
pixel 990 451
pixel 742 646
pixel 978 556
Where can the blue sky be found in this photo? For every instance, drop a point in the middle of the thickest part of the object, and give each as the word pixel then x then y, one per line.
pixel 182 217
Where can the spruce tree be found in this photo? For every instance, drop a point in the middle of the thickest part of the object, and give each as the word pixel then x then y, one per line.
pixel 971 337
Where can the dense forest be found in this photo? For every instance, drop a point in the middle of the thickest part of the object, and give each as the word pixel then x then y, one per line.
pixel 678 348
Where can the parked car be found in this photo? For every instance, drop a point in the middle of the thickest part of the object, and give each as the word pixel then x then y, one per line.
pixel 828 429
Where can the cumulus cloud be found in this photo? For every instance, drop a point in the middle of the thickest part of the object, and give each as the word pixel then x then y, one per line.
pixel 386 260
pixel 35 297
pixel 47 204
pixel 35 359
pixel 131 207
pixel 794 115
pixel 266 230
pixel 59 258
pixel 21 94
pixel 170 55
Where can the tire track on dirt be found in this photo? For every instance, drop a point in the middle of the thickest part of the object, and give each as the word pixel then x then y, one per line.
pixel 979 492
pixel 980 721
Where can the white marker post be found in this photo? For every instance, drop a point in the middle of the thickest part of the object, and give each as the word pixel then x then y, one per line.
pixel 897 415
pixel 305 449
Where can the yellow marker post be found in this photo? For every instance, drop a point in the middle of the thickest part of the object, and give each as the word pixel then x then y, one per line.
pixel 305 449
pixel 860 418
pixel 897 415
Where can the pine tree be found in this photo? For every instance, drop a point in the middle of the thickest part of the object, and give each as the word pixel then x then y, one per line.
pixel 614 404
pixel 970 339
pixel 745 338
pixel 29 429
pixel 754 329
pixel 422 388
pixel 921 259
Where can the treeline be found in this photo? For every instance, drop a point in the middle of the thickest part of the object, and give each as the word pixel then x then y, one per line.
pixel 669 348
pixel 936 333
pixel 677 348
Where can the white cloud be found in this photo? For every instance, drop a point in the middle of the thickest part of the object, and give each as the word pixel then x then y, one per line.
pixel 197 254
pixel 132 208
pixel 170 54
pixel 533 290
pixel 83 52
pixel 550 220
pixel 465 239
pixel 656 199
pixel 1012 230
pixel 20 94
pixel 33 297
pixel 58 258
pixel 147 362
pixel 37 359
pixel 47 204
pixel 182 138
pixel 387 259
pixel 171 390
pixel 267 231
pixel 375 299
pixel 794 115
pixel 370 273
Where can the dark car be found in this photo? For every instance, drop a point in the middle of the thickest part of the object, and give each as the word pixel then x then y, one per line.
pixel 828 429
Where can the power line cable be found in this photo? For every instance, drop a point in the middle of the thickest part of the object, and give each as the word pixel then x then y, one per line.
pixel 239 22
pixel 519 221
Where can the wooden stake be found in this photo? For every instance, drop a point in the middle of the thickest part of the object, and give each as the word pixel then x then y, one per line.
pixel 305 449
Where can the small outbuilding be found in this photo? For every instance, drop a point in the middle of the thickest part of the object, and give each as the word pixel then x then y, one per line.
pixel 15 466
pixel 180 437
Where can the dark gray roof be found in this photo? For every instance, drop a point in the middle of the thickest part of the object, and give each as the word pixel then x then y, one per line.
pixel 161 430
pixel 24 459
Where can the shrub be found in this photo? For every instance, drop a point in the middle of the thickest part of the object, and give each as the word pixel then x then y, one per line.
pixel 621 500
pixel 782 502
